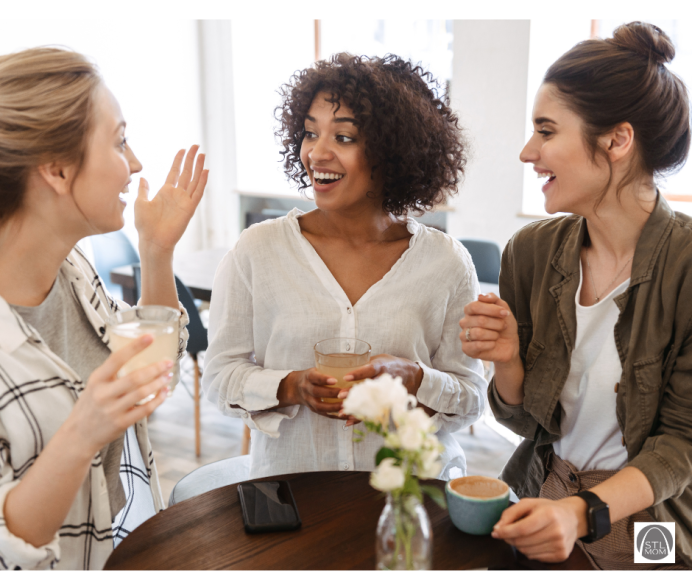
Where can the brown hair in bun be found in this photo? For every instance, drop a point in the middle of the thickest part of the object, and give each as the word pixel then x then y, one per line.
pixel 623 79
pixel 644 39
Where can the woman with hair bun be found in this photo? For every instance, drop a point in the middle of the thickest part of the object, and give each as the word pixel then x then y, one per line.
pixel 65 416
pixel 592 335
pixel 375 141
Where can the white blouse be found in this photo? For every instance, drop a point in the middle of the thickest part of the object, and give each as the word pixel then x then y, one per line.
pixel 274 298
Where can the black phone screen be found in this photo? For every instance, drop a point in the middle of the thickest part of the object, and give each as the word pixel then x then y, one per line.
pixel 268 506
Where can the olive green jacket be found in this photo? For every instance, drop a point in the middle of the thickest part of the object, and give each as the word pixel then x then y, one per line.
pixel 653 335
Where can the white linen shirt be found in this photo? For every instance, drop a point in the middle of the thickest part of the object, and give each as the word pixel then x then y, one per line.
pixel 273 296
pixel 38 391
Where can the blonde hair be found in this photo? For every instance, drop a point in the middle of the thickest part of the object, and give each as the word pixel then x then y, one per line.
pixel 46 101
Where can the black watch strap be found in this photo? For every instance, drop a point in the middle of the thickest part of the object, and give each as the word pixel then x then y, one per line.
pixel 597 516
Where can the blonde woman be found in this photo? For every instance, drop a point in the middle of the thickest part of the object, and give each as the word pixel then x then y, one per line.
pixel 64 163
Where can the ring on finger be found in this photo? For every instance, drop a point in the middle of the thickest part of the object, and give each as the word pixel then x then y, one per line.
pixel 468 335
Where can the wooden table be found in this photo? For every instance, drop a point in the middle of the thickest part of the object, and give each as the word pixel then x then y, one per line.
pixel 339 511
pixel 196 270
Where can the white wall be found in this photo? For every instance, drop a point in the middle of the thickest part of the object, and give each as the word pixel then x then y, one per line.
pixel 152 69
pixel 489 84
pixel 217 221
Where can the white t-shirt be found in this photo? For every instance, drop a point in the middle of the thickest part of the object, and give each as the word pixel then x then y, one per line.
pixel 591 437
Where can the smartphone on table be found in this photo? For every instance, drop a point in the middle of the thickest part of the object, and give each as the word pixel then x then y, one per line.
pixel 268 506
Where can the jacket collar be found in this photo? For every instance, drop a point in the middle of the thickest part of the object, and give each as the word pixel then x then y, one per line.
pixel 566 261
pixel 656 229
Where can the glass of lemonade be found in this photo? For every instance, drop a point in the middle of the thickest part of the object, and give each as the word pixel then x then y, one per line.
pixel 159 321
pixel 338 357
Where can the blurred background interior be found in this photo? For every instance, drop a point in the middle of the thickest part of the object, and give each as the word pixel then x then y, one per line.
pixel 214 82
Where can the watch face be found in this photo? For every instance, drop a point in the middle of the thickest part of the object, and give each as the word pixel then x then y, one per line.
pixel 601 521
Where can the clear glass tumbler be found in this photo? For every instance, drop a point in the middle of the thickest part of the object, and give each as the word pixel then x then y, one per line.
pixel 161 322
pixel 338 357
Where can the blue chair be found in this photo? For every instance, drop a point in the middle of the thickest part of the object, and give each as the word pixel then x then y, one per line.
pixel 112 250
pixel 486 256
pixel 197 341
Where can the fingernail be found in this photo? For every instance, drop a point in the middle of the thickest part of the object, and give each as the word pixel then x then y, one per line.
pixel 147 339
pixel 348 377
pixel 169 376
pixel 504 313
pixel 342 395
pixel 331 381
pixel 168 364
pixel 494 534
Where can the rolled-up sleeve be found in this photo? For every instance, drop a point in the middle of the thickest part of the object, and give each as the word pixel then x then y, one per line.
pixel 455 385
pixel 238 386
pixel 15 553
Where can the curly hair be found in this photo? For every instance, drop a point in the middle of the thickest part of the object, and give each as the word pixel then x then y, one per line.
pixel 413 140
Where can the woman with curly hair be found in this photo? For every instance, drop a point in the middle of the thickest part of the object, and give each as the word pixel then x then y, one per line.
pixel 375 141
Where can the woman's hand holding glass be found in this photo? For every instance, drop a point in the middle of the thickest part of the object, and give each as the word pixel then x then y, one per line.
pixel 108 404
pixel 410 373
pixel 308 388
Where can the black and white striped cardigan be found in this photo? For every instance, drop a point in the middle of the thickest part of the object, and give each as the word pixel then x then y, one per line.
pixel 37 393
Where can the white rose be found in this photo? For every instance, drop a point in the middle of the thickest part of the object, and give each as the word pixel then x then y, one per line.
pixel 392 440
pixel 374 399
pixel 420 419
pixel 411 437
pixel 430 466
pixel 387 476
pixel 430 470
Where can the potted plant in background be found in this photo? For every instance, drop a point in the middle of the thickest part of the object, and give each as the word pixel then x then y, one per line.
pixel 410 452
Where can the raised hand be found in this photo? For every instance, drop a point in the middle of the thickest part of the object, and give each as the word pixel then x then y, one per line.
pixel 489 330
pixel 162 220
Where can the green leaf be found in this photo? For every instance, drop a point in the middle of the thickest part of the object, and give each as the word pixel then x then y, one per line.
pixel 411 487
pixel 359 433
pixel 383 453
pixel 435 494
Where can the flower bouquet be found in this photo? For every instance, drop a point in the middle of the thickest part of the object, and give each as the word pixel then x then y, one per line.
pixel 411 452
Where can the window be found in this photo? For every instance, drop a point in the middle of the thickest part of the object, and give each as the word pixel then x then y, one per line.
pixel 549 40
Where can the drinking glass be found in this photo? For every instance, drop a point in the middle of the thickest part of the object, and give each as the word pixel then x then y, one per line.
pixel 338 357
pixel 159 321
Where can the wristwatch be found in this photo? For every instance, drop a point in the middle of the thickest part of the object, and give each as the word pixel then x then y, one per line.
pixel 597 515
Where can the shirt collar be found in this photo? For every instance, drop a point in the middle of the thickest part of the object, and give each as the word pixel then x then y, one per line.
pixel 14 331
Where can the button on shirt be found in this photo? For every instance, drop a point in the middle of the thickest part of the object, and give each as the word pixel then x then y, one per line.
pixel 274 298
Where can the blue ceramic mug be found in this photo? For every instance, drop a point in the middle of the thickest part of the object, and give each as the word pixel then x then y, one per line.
pixel 476 502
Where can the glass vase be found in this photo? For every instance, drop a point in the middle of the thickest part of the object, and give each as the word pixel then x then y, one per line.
pixel 404 535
